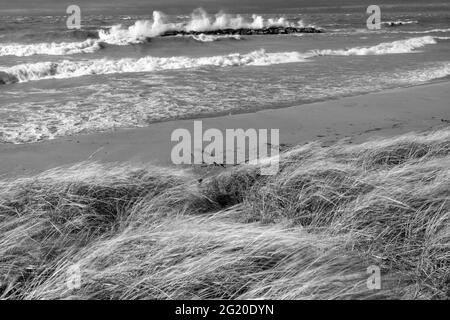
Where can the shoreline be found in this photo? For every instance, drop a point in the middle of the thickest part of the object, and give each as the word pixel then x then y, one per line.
pixel 356 118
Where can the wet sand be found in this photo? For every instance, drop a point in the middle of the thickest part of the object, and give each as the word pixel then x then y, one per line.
pixel 357 119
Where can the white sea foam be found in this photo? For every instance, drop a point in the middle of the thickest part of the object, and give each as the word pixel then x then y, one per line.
pixel 429 31
pixel 63 48
pixel 439 71
pixel 134 107
pixel 71 69
pixel 400 22
pixel 121 105
pixel 399 46
pixel 388 31
pixel 211 37
pixel 200 21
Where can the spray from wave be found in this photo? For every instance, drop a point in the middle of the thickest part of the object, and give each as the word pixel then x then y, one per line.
pixel 200 21
pixel 71 69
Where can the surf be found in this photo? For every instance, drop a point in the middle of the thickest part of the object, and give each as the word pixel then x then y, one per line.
pixel 63 48
pixel 394 47
pixel 71 69
pixel 200 22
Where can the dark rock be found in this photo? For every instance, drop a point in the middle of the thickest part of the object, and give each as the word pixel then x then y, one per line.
pixel 171 33
pixel 395 24
pixel 245 31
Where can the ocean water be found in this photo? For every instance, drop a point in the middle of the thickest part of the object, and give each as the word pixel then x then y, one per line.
pixel 117 72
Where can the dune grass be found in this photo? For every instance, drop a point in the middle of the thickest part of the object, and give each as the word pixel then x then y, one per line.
pixel 309 232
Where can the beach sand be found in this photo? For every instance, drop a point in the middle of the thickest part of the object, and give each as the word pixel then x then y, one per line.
pixel 356 118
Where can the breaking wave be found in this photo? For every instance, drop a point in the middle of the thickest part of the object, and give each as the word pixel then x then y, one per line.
pixel 64 48
pixel 71 69
pixel 200 21
pixel 130 107
pixel 87 46
pixel 427 74
pixel 399 46
pixel 428 31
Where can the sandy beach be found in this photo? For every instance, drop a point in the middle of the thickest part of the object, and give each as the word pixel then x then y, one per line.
pixel 356 118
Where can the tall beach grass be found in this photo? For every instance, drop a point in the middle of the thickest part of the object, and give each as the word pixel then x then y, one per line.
pixel 309 232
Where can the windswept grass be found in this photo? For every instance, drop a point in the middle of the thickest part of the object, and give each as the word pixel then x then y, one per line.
pixel 309 232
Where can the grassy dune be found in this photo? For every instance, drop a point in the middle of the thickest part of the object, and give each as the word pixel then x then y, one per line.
pixel 309 232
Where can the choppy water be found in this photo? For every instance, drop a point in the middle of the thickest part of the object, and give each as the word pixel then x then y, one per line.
pixel 62 82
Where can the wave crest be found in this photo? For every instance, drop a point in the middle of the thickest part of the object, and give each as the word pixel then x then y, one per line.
pixel 399 46
pixel 71 69
pixel 63 48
